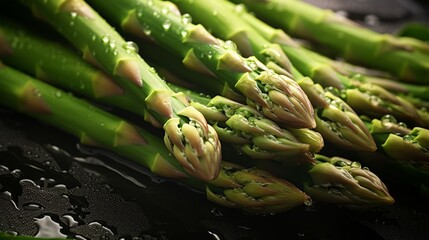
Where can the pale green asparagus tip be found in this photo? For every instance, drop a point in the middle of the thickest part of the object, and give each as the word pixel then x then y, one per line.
pixel 194 143
pixel 344 182
pixel 253 190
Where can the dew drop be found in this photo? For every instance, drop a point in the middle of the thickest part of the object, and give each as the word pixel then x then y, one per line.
pixel 105 39
pixel 32 206
pixel 388 120
pixel 308 202
pixel 16 173
pixel 355 165
pixel 166 25
pixel 228 44
pixel 58 94
pixel 215 13
pixel 239 8
pixel 371 20
pixel 73 14
pixel 131 46
pixel 408 138
pixel 186 18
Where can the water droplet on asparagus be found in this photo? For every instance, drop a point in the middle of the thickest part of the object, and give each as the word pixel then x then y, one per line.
pixel 131 46
pixel 388 120
pixel 186 18
pixel 166 25
pixel 58 94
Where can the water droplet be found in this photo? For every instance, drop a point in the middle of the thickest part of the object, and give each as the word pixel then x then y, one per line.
pixel 73 14
pixel 58 94
pixel 150 2
pixel 184 33
pixel 4 170
pixel 228 44
pixel 152 70
pixel 239 8
pixel 165 10
pixel 112 44
pixel 186 18
pixel 156 14
pixel 166 25
pixel 308 202
pixel 32 206
pixel 374 100
pixel 139 13
pixel 215 13
pixel 388 120
pixel 408 138
pixel 102 124
pixel 146 29
pixel 48 228
pixel 105 39
pixel 93 38
pixel 16 173
pixel 342 13
pixel 131 46
pixel 371 20
pixel 402 124
pixel 355 165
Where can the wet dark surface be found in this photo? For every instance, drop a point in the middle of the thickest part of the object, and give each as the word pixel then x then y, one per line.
pixel 51 185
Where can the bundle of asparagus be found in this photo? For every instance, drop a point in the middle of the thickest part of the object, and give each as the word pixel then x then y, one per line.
pixel 269 108
pixel 272 142
pixel 187 135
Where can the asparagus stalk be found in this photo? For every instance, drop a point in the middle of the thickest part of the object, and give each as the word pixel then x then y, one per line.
pixel 187 135
pixel 234 122
pixel 332 180
pixel 74 75
pixel 255 135
pixel 365 97
pixel 248 189
pixel 344 182
pixel 404 59
pixel 277 96
pixel 229 26
pixel 403 152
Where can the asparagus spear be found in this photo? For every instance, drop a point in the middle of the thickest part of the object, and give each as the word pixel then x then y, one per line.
pixel 187 135
pixel 344 182
pixel 256 136
pixel 365 97
pixel 248 189
pixel 234 122
pixel 75 74
pixel 333 180
pixel 404 59
pixel 277 96
pixel 230 27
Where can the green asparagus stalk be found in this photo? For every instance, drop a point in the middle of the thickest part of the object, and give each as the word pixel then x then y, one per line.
pixel 248 189
pixel 187 134
pixel 7 236
pixel 277 96
pixel 230 27
pixel 332 180
pixel 335 119
pixel 376 100
pixel 403 152
pixel 404 59
pixel 255 135
pixel 344 182
pixel 74 75
pixel 234 122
